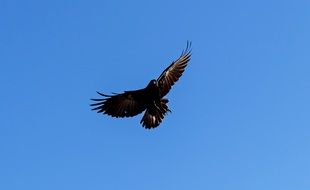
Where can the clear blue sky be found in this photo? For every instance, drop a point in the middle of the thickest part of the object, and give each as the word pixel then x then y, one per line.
pixel 240 113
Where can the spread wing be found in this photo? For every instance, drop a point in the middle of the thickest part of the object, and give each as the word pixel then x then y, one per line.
pixel 127 104
pixel 172 73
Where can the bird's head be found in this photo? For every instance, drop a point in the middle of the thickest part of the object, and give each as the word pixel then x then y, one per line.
pixel 153 83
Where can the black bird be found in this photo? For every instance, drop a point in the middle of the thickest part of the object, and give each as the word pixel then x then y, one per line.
pixel 151 98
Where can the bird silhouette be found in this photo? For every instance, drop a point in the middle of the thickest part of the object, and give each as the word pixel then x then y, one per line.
pixel 149 99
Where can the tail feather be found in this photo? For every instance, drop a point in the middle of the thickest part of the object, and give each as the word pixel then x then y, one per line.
pixel 153 116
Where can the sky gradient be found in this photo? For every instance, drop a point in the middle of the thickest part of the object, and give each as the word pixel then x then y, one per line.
pixel 240 113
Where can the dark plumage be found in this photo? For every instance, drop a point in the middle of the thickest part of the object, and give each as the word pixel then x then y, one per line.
pixel 151 98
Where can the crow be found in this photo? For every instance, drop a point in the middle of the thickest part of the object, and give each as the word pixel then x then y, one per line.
pixel 149 99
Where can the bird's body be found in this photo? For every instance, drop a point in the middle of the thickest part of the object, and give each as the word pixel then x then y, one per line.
pixel 152 91
pixel 149 99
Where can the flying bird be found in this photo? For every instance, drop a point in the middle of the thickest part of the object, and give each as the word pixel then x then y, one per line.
pixel 149 99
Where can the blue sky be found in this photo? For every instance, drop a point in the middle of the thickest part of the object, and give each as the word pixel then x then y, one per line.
pixel 240 113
